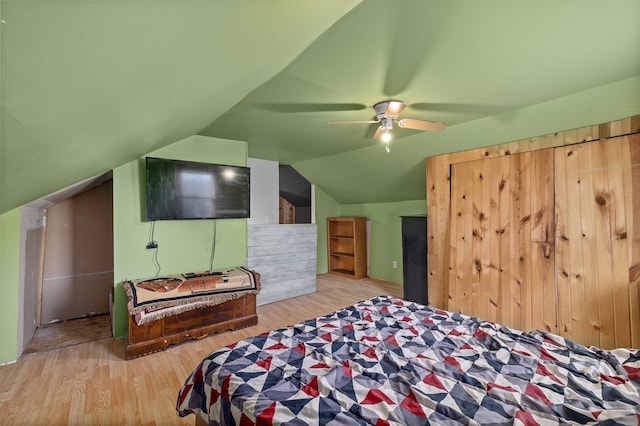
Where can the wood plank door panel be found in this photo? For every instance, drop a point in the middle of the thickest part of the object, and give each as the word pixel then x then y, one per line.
pixel 501 255
pixel 598 241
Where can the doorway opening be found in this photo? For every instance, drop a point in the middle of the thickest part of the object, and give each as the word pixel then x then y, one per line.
pixel 295 196
pixel 68 266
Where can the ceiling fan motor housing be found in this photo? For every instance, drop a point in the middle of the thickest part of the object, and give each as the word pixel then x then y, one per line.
pixel 389 108
pixel 387 112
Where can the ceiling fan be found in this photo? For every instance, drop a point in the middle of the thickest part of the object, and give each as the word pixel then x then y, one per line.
pixel 387 113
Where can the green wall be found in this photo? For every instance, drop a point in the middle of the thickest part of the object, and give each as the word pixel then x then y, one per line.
pixel 325 207
pixel 9 284
pixel 183 245
pixel 385 234
pixel 385 231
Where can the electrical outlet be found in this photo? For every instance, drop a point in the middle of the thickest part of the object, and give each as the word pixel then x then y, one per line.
pixel 395 264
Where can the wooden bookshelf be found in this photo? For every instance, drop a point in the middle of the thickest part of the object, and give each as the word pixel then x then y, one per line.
pixel 347 246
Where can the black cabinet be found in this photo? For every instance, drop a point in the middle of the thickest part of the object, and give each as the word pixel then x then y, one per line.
pixel 414 258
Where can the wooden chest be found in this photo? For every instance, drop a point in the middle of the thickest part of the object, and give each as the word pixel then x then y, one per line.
pixel 157 335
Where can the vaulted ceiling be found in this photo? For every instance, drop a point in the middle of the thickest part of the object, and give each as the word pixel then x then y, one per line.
pixel 90 85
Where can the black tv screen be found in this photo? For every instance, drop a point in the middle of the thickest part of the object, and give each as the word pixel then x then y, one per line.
pixel 190 190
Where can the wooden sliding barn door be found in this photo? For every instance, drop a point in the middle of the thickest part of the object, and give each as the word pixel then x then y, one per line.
pixel 598 241
pixel 501 263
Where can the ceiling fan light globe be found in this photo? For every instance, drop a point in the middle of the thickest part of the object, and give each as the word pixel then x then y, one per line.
pixel 386 136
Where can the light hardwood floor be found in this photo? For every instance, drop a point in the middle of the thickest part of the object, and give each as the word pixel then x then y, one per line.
pixel 92 383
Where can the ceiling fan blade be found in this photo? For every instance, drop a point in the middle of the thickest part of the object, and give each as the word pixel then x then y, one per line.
pixel 378 133
pixel 403 62
pixel 353 122
pixel 370 130
pixel 427 126
pixel 310 107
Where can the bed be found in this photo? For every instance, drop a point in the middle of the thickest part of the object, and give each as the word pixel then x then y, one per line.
pixel 388 361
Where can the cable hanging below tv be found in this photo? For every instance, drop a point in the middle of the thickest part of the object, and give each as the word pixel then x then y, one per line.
pixel 179 190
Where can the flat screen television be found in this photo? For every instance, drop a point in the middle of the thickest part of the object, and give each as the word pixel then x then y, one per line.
pixel 191 190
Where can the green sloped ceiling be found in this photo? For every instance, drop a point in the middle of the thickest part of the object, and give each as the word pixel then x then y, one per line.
pixel 490 70
pixel 91 85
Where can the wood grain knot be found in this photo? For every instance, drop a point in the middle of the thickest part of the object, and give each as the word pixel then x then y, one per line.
pixel 564 237
pixel 634 272
pixel 478 265
pixel 569 154
pixel 502 184
pixel 622 235
pixel 525 219
pixel 601 200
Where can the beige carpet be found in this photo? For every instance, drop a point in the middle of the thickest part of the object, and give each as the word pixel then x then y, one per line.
pixel 68 333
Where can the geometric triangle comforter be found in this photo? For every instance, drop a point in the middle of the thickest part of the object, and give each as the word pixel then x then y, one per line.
pixel 386 361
